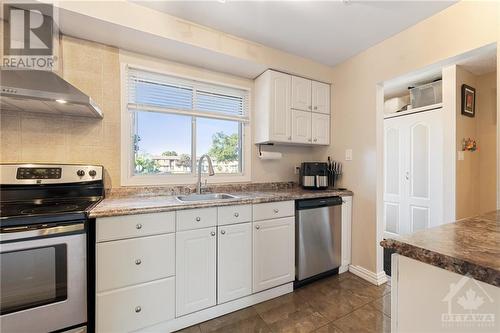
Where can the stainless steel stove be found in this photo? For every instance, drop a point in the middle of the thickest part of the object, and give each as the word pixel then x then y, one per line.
pixel 43 245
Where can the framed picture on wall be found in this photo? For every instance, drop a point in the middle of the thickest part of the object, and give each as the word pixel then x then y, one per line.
pixel 468 101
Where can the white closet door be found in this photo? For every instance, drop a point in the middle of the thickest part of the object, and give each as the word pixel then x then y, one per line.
pixel 393 176
pixel 424 172
pixel 413 172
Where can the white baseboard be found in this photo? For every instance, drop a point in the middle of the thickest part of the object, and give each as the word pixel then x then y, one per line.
pixel 343 269
pixel 218 310
pixel 374 278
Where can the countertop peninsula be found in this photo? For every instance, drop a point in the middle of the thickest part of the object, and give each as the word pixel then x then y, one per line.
pixel 470 246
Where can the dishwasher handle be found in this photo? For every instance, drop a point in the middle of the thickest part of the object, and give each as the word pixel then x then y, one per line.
pixel 318 203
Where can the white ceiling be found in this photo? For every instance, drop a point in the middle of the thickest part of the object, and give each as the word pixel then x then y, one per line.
pixel 328 32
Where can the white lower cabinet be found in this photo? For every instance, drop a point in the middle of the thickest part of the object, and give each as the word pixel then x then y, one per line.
pixel 234 262
pixel 209 258
pixel 195 270
pixel 132 261
pixel 132 308
pixel 273 253
pixel 346 234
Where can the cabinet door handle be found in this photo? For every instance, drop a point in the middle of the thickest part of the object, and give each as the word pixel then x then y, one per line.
pixel 315 108
pixel 309 140
pixel 138 261
pixel 315 140
pixel 212 233
pixel 138 309
pixel 236 214
pixel 309 107
pixel 276 210
pixel 223 232
pixel 138 226
pixel 198 219
pixel 257 227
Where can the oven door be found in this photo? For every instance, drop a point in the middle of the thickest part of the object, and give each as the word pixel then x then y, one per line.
pixel 43 279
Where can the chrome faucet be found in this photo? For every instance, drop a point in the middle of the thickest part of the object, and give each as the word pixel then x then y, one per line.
pixel 210 171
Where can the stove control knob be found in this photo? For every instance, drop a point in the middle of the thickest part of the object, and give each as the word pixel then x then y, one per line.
pixel 80 173
pixel 92 173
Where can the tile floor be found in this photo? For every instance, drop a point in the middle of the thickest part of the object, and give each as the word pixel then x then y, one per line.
pixel 339 304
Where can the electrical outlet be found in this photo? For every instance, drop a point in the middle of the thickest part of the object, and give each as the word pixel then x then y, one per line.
pixel 461 155
pixel 348 154
pixel 296 170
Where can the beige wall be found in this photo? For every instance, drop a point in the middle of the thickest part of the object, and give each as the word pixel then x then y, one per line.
pixel 29 137
pixel 486 108
pixel 467 170
pixel 476 173
pixel 355 124
pixel 95 69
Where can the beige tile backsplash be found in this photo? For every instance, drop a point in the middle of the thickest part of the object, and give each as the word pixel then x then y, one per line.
pixel 30 137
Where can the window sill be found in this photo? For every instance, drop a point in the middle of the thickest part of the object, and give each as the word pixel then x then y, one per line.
pixel 183 180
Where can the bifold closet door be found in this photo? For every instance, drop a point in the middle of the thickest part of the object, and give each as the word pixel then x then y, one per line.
pixel 413 168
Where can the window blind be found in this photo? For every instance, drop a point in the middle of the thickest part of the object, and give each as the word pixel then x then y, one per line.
pixel 156 92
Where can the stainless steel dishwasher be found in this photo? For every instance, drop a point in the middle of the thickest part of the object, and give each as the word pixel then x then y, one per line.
pixel 317 238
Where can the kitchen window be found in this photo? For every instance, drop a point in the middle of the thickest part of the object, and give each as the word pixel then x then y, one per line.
pixel 172 121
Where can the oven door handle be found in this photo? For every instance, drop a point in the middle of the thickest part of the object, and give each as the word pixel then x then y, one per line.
pixel 13 234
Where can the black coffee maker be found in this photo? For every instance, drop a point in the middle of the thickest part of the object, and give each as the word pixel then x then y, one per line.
pixel 314 175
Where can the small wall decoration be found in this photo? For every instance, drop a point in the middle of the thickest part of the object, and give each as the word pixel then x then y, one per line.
pixel 469 145
pixel 468 101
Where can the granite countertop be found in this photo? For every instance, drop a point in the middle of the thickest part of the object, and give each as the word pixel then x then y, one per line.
pixel 140 204
pixel 469 247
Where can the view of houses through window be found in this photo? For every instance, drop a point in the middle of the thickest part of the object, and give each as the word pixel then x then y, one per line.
pixel 177 120
pixel 163 143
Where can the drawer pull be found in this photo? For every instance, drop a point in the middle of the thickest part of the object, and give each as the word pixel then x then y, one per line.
pixel 212 233
pixel 276 210
pixel 236 214
pixel 138 309
pixel 223 232
pixel 138 261
pixel 198 219
pixel 138 226
pixel 257 227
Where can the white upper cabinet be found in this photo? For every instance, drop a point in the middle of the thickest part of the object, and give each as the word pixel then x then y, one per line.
pixel 320 97
pixel 301 94
pixel 301 126
pixel 285 106
pixel 273 108
pixel 320 129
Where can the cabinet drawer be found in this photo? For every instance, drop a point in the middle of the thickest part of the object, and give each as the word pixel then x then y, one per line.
pixel 196 218
pixel 132 308
pixel 234 214
pixel 131 261
pixel 272 210
pixel 129 226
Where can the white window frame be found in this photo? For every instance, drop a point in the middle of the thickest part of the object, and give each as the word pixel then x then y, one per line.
pixel 129 178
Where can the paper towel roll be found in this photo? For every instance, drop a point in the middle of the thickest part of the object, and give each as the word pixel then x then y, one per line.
pixel 269 155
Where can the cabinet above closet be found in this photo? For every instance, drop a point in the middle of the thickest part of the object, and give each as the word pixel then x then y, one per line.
pixel 291 110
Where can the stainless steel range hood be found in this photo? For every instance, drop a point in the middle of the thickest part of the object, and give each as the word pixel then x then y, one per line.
pixel 44 92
